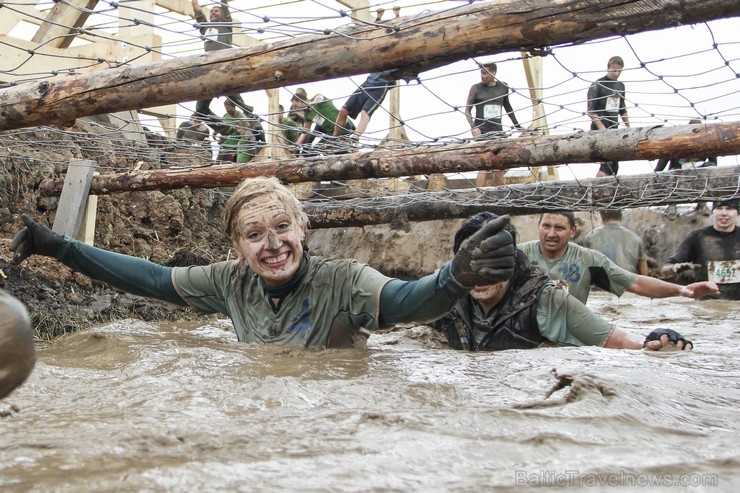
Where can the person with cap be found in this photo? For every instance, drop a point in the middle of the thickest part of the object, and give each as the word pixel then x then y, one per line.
pixel 530 310
pixel 17 351
pixel 275 291
pixel 714 251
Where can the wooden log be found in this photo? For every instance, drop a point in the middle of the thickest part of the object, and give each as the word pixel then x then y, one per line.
pixel 674 187
pixel 624 144
pixel 409 45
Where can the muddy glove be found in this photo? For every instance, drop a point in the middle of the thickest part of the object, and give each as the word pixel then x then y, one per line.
pixel 34 239
pixel 487 257
pixel 673 337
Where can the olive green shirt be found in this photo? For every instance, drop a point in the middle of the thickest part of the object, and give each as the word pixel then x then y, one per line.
pixel 336 304
pixel 561 319
pixel 580 267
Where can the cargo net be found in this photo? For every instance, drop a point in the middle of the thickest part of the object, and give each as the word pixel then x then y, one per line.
pixel 672 77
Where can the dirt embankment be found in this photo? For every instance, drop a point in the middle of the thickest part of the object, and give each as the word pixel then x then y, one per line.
pixel 174 228
pixel 184 227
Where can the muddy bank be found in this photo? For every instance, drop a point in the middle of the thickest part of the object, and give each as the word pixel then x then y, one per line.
pixel 184 227
pixel 421 248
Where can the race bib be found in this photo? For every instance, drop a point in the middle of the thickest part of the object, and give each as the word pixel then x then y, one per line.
pixel 491 111
pixel 319 120
pixel 612 103
pixel 211 33
pixel 723 271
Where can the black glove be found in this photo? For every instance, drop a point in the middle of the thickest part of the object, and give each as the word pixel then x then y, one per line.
pixel 487 257
pixel 34 239
pixel 673 337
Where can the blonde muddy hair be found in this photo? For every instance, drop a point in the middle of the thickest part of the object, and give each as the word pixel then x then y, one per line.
pixel 253 188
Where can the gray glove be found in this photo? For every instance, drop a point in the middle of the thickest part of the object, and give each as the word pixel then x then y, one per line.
pixel 34 239
pixel 487 257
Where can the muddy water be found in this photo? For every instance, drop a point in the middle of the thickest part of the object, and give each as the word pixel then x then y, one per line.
pixel 136 407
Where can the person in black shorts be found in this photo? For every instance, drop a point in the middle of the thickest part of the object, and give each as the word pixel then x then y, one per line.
pixel 363 102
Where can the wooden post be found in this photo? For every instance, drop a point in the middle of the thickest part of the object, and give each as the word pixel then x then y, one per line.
pixel 533 71
pixel 73 199
pixel 276 143
pixel 87 228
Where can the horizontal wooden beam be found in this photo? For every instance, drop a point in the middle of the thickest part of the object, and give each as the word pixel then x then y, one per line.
pixel 423 43
pixel 583 147
pixel 674 187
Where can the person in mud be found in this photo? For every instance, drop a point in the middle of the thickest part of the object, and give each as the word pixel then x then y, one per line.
pixel 580 267
pixel 605 104
pixel 275 291
pixel 714 250
pixel 217 32
pixel 17 352
pixel 531 310
pixel 623 246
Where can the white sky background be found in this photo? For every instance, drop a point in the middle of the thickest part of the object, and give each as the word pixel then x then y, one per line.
pixel 684 57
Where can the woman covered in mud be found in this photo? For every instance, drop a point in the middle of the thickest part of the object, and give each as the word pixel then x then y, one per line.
pixel 275 292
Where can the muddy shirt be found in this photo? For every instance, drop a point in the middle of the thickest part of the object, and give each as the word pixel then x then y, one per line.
pixel 606 99
pixel 580 267
pixel 216 35
pixel 622 246
pixel 565 320
pixel 489 106
pixel 561 319
pixel 336 304
pixel 718 253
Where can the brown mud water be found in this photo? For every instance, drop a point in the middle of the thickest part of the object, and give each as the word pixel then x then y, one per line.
pixel 183 407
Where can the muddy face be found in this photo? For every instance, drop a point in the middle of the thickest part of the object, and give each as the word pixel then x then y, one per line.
pixel 17 352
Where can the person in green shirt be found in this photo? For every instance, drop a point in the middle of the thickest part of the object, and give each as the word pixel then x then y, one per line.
pixel 17 351
pixel 320 113
pixel 530 310
pixel 230 138
pixel 580 267
pixel 289 130
pixel 275 291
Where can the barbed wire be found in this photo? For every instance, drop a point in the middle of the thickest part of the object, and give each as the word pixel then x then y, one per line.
pixel 705 87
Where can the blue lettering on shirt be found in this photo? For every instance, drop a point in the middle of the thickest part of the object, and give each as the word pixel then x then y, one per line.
pixel 570 272
pixel 302 321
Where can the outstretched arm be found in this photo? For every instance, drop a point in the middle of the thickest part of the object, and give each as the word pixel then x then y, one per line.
pixel 656 288
pixel 131 274
pixel 423 300
pixel 657 339
pixel 198 11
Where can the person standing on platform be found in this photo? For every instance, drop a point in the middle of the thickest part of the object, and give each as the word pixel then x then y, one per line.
pixel 606 104
pixel 487 102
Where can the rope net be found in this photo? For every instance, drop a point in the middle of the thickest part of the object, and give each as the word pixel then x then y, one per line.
pixel 672 77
